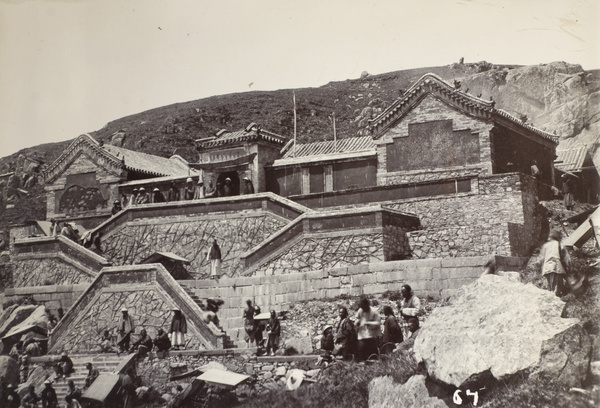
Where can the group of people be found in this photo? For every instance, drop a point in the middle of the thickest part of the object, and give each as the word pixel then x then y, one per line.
pixel 174 340
pixel 254 328
pixel 22 351
pixel 191 191
pixel 369 335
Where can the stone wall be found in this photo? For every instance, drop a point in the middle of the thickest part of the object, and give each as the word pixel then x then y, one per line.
pixel 52 297
pixel 505 218
pixel 191 237
pixel 42 271
pixel 438 278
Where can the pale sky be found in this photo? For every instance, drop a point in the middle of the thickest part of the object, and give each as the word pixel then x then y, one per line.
pixel 70 67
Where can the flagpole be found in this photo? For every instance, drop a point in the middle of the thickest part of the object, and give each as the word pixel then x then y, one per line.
pixel 294 148
pixel 334 134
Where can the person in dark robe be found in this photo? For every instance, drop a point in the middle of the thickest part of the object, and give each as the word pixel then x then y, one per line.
pixel 92 374
pixel 214 257
pixel 162 341
pixel 143 196
pixel 327 344
pixel 30 400
pixel 567 190
pixel 392 332
pixel 248 316
pixel 228 188
pixel 64 366
pixel 248 187
pixel 258 328
pixel 345 337
pixel 273 333
pixel 189 190
pixel 143 345
pixel 73 393
pixel 173 193
pixel 124 330
pixel 48 396
pixel 117 206
pixel 178 329
pixel 157 196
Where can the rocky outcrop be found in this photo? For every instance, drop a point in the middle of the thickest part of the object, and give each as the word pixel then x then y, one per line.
pixel 14 316
pixel 384 393
pixel 502 327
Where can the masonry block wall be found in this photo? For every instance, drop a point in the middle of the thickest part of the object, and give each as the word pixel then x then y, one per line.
pixel 433 110
pixel 438 278
pixel 191 237
pixel 52 297
pixel 505 218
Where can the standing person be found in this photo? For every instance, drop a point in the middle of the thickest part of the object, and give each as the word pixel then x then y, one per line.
pixel 124 330
pixel 173 193
pixel 54 230
pixel 273 333
pixel 227 188
pixel 258 328
pixel 214 256
pixel 368 330
pixel 48 396
pixel 555 261
pixel 535 171
pixel 134 197
pixel 178 329
pixel 188 190
pixel 345 335
pixel 409 306
pixel 124 201
pixel 143 196
pixel 73 393
pixel 567 190
pixel 392 332
pixel 248 316
pixel 116 207
pixel 210 189
pixel 157 196
pixel 199 190
pixel 248 187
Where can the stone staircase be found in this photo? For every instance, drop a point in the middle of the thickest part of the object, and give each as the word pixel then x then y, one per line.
pixel 105 363
pixel 227 341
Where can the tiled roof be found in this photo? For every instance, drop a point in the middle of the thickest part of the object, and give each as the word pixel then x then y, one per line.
pixel 148 163
pixel 431 83
pixel 349 145
pixel 570 159
pixel 253 132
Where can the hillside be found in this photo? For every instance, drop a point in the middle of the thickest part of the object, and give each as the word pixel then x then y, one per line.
pixel 560 98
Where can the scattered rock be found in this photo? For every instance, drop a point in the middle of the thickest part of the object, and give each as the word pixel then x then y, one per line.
pixel 280 372
pixel 213 365
pixel 313 373
pixel 303 345
pixel 384 393
pixel 504 327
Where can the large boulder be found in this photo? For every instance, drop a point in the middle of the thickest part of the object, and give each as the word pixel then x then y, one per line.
pixel 15 317
pixel 384 393
pixel 502 327
pixel 9 370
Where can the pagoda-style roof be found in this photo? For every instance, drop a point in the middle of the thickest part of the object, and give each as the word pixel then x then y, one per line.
pixel 116 160
pixel 252 133
pixel 431 84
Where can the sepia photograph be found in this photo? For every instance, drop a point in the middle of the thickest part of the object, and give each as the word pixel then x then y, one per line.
pixel 323 204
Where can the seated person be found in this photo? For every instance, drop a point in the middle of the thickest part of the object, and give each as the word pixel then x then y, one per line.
pixel 64 366
pixel 106 342
pixel 162 341
pixel 73 393
pixel 143 344
pixel 327 340
pixel 30 400
pixel 92 374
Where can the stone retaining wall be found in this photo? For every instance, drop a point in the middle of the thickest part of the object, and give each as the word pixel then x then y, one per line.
pixel 438 278
pixel 52 297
